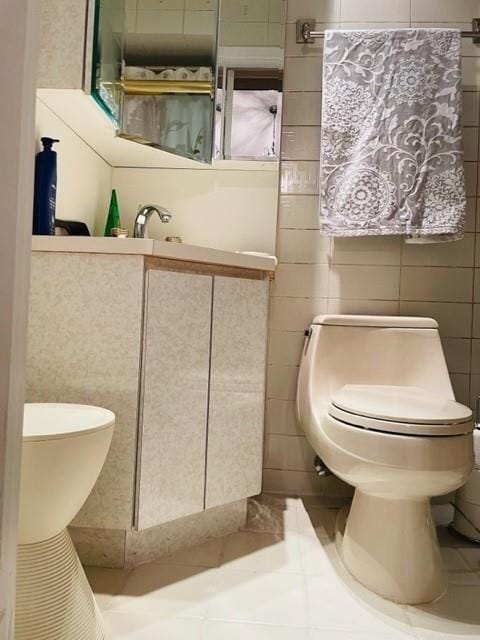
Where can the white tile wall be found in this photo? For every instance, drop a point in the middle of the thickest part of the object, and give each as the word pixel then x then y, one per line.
pixel 305 109
pixel 323 11
pixel 444 10
pixel 367 275
pixel 252 23
pixel 195 17
pixel 375 11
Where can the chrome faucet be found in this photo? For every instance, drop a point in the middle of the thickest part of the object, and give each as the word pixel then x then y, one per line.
pixel 143 216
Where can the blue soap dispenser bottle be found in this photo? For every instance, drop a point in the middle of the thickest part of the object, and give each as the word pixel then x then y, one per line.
pixel 45 192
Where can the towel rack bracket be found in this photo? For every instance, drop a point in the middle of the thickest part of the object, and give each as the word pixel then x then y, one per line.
pixel 306 33
pixel 476 29
pixel 304 28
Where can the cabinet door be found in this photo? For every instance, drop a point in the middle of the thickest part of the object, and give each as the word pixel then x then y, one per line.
pixel 172 443
pixel 237 390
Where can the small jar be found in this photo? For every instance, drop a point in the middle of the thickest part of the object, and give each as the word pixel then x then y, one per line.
pixel 118 232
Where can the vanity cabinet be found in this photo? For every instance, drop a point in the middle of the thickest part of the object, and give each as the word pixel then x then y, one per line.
pixel 177 350
pixel 202 397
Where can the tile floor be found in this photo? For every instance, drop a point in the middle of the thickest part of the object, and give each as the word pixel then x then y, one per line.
pixel 279 579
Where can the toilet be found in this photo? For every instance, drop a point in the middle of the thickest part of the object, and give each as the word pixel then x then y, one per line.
pixel 376 403
pixel 64 449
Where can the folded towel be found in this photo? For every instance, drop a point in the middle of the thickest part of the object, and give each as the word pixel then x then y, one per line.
pixel 204 73
pixel 138 73
pixel 182 73
pixel 392 153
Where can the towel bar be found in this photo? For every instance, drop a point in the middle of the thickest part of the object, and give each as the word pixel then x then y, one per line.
pixel 306 33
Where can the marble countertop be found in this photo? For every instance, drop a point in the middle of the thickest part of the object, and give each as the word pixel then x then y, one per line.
pixel 156 248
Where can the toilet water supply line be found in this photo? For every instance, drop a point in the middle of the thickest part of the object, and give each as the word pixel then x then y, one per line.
pixel 321 468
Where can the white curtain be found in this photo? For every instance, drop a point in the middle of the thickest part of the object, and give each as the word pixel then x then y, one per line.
pixel 179 123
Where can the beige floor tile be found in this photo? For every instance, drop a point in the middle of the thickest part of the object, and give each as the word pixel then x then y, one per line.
pixel 276 598
pixel 447 537
pixel 456 615
pixel 387 634
pixel 167 591
pixel 467 578
pixel 107 584
pixel 344 605
pixel 453 560
pixel 262 552
pixel 318 556
pixel 134 626
pixel 245 631
pixel 471 555
pixel 319 521
pixel 280 579
pixel 459 571
pixel 428 634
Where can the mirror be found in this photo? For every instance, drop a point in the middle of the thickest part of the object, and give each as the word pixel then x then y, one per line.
pixel 155 70
pixel 250 79
pixel 161 80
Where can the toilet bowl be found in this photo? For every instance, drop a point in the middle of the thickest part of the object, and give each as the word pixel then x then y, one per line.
pixel 64 448
pixel 376 403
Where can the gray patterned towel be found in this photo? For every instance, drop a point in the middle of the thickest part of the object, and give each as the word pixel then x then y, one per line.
pixel 392 152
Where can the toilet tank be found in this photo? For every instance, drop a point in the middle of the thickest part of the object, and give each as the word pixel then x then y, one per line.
pixel 380 350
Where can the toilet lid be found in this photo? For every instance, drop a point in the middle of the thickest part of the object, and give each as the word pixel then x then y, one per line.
pixel 45 421
pixel 402 410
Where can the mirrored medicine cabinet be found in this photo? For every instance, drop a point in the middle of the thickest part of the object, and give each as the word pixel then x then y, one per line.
pixel 199 80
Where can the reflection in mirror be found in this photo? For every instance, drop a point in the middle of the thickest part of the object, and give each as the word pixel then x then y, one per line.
pixel 249 95
pixel 169 77
pixel 156 71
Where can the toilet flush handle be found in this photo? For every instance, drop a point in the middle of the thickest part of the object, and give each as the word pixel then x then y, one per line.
pixel 308 335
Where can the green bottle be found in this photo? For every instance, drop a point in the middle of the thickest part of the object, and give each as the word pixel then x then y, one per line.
pixel 113 218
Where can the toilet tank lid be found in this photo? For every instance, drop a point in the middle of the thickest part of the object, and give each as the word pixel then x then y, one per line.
pixel 400 322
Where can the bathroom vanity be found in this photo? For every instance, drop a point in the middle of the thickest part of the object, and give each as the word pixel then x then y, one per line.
pixel 172 338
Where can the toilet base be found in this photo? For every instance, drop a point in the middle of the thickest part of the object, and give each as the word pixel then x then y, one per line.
pixel 390 546
pixel 54 598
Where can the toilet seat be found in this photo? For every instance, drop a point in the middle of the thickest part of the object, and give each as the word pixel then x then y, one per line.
pixel 400 410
